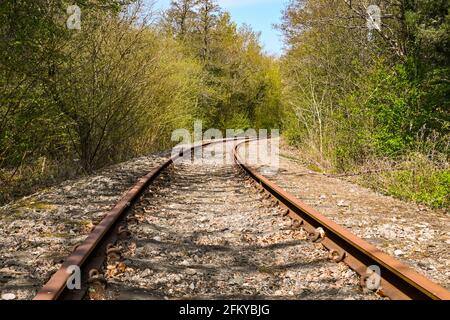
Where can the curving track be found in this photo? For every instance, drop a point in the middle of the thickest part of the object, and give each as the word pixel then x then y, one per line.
pixel 202 231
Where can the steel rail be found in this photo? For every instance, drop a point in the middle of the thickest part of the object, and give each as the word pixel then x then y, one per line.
pixel 90 253
pixel 398 281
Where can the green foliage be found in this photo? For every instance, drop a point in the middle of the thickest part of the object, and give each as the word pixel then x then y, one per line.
pixel 431 189
pixel 395 108
pixel 238 121
pixel 240 85
pixel 77 100
pixel 415 178
pixel 349 101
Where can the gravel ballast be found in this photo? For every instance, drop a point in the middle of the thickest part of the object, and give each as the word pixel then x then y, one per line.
pixel 203 232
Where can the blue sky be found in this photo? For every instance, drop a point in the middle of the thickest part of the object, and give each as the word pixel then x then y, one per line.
pixel 260 14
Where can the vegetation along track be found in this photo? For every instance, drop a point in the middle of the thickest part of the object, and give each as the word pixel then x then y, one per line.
pixel 199 232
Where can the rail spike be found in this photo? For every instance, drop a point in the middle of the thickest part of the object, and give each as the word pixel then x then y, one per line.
pixel 399 281
pixel 96 277
pixel 297 223
pixel 394 279
pixel 55 287
pixel 336 255
pixel 123 232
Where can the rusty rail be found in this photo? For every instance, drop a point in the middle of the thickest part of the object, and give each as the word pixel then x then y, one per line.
pixel 90 253
pixel 398 281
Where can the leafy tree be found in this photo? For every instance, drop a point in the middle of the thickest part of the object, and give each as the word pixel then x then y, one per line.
pixel 73 101
pixel 352 100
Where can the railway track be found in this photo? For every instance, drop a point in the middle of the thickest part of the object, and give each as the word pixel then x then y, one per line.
pixel 176 231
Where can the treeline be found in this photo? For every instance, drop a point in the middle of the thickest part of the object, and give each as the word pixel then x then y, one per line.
pixel 378 102
pixel 241 85
pixel 72 101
